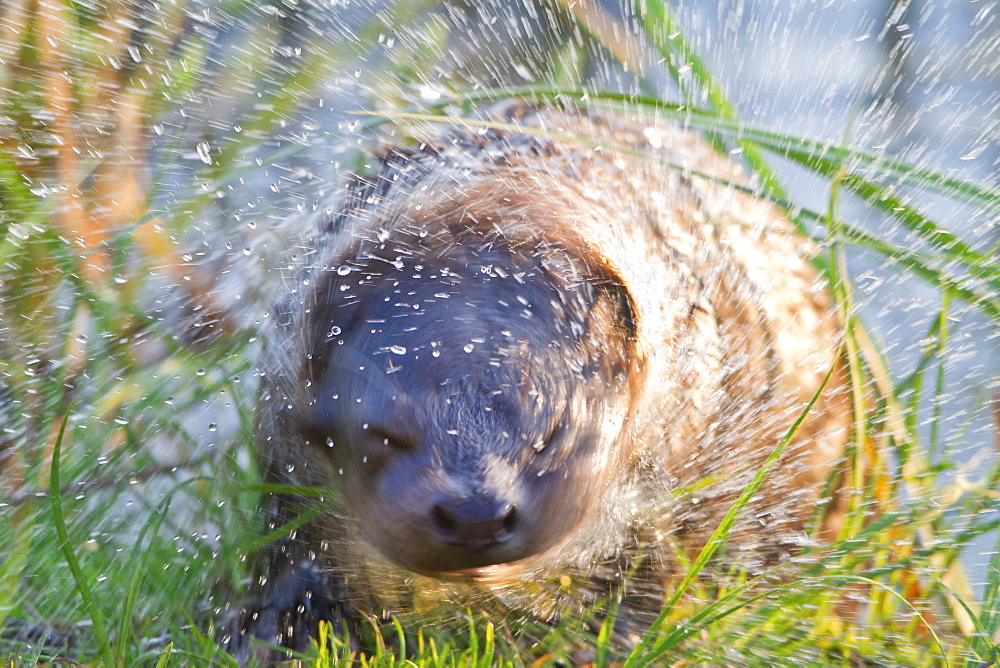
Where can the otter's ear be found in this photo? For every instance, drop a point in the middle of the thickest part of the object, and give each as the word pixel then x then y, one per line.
pixel 619 300
pixel 613 326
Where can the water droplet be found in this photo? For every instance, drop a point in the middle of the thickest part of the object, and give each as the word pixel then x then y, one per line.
pixel 343 270
pixel 429 93
pixel 397 350
pixel 204 152
pixel 468 347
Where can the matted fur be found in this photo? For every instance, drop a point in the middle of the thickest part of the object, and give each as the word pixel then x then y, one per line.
pixel 692 303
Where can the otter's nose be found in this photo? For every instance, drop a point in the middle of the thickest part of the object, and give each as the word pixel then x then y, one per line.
pixel 474 524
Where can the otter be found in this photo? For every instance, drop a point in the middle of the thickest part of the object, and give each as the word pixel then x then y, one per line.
pixel 528 361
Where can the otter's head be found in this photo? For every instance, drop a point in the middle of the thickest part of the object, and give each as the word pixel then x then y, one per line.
pixel 470 391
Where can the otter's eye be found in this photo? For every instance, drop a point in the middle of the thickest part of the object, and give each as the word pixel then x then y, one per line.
pixel 554 433
pixel 391 440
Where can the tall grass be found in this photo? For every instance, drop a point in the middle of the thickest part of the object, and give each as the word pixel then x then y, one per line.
pixel 127 494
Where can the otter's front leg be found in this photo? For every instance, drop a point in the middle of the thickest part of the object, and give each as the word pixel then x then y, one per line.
pixel 297 597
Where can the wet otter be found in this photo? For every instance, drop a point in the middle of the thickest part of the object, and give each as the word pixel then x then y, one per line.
pixel 519 360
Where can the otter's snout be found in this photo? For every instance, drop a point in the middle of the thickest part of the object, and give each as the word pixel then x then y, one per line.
pixel 474 525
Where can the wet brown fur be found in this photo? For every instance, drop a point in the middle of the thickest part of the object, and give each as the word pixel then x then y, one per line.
pixel 702 314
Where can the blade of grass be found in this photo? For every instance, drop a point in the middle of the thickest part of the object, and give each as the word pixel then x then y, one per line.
pixel 164 659
pixel 566 68
pixel 938 398
pixel 667 36
pixel 989 618
pixel 286 95
pixel 916 264
pixel 643 655
pixel 910 260
pixel 892 592
pixel 137 561
pixel 15 560
pixel 907 173
pixel 940 239
pixel 604 639
pixel 946 243
pixel 285 529
pixel 59 521
pixel 864 461
pixel 805 149
pixel 813 156
pixel 615 38
pixel 986 650
pixel 488 657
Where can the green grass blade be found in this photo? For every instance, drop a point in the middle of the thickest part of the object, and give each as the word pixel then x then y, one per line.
pixel 643 654
pixel 946 243
pixel 59 521
pixel 164 659
pixel 15 560
pixel 792 146
pixel 918 265
pixel 989 618
pixel 285 96
pixel 913 261
pixel 667 36
pixel 138 559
